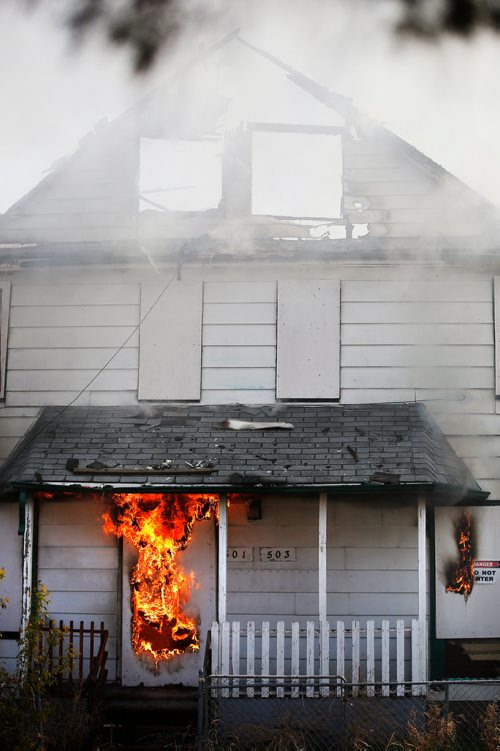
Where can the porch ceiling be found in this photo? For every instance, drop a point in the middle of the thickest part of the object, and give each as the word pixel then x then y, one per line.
pixel 329 445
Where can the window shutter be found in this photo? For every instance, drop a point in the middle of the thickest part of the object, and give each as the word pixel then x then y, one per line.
pixel 170 341
pixel 4 332
pixel 308 360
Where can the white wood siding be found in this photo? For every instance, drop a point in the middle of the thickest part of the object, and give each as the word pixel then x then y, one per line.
pixel 170 341
pixel 429 340
pixel 78 563
pixel 308 339
pixel 61 335
pixel 239 342
pixel 371 561
pixel 395 343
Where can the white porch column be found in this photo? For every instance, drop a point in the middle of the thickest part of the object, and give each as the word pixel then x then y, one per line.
pixel 322 528
pixel 422 586
pixel 28 553
pixel 222 577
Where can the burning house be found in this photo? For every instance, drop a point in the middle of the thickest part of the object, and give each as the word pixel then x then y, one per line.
pixel 250 388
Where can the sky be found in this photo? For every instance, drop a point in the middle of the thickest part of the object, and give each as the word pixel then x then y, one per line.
pixel 443 98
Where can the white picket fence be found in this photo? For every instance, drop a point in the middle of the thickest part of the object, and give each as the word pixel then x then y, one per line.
pixel 322 655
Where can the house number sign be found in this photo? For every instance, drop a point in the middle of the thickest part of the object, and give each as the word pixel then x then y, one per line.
pixel 240 554
pixel 277 554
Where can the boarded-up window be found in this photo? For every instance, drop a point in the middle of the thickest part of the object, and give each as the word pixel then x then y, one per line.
pixel 308 340
pixel 496 298
pixel 239 342
pixel 4 332
pixel 246 342
pixel 170 341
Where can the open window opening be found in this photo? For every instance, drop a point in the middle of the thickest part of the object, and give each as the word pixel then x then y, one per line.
pixel 180 175
pixel 297 175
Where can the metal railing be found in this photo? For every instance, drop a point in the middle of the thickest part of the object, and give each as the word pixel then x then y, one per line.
pixel 241 712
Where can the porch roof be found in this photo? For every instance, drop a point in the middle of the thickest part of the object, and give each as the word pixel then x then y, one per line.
pixel 180 447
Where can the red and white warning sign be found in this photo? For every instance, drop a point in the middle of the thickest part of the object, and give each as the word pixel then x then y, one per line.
pixel 486 572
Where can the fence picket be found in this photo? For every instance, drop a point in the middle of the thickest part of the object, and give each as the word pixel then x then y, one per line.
pixel 370 658
pixel 355 657
pixel 264 668
pixel 310 658
pixel 280 657
pixel 225 657
pixel 295 657
pixel 340 653
pixel 235 656
pixel 310 661
pixel 215 647
pixel 324 656
pixel 250 657
pixel 385 658
pixel 400 657
pixel 415 656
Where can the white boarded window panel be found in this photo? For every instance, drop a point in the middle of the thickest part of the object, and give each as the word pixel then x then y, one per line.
pixel 170 341
pixel 239 342
pixel 308 339
pixel 496 298
pixel 4 331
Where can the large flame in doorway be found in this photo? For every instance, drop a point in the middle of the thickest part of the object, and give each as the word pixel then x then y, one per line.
pixel 461 575
pixel 160 526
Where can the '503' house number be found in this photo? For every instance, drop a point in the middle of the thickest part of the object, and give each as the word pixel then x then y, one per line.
pixel 281 555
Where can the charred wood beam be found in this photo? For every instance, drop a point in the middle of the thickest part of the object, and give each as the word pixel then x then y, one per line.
pixel 327 130
pixel 143 471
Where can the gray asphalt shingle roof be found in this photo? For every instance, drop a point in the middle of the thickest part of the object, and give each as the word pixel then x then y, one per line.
pixel 329 445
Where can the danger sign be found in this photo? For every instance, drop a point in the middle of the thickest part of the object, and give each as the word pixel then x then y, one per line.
pixel 486 572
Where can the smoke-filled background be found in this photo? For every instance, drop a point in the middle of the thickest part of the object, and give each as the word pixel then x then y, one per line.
pixel 443 96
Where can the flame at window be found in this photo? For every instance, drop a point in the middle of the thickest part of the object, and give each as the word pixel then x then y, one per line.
pixel 461 575
pixel 160 526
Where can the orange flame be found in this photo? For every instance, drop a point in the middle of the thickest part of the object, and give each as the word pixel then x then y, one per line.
pixel 461 577
pixel 159 526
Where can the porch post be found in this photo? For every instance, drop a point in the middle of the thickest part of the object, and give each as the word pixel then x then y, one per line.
pixel 222 578
pixel 322 527
pixel 28 531
pixel 422 586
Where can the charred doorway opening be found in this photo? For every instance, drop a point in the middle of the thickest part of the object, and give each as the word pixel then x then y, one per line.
pixel 169 582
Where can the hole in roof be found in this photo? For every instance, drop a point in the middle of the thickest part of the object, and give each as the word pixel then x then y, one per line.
pixel 181 175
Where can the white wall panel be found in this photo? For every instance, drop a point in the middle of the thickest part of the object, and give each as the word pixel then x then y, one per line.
pixel 78 563
pixel 74 315
pixel 170 341
pixel 11 561
pixel 239 337
pixel 308 339
pixel 75 294
pixel 413 290
pixel 373 332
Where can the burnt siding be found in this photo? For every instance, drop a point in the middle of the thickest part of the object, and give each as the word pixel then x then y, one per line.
pixel 90 197
pixel 397 197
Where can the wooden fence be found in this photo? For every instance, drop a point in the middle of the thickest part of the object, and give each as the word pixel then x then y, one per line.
pixel 78 653
pixel 392 655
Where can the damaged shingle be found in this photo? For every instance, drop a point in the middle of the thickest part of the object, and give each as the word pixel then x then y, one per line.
pixel 320 445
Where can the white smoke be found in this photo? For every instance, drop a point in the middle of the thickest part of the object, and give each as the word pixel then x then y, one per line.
pixel 442 98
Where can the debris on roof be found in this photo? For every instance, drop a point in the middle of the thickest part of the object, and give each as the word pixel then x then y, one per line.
pixel 256 425
pixel 191 450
